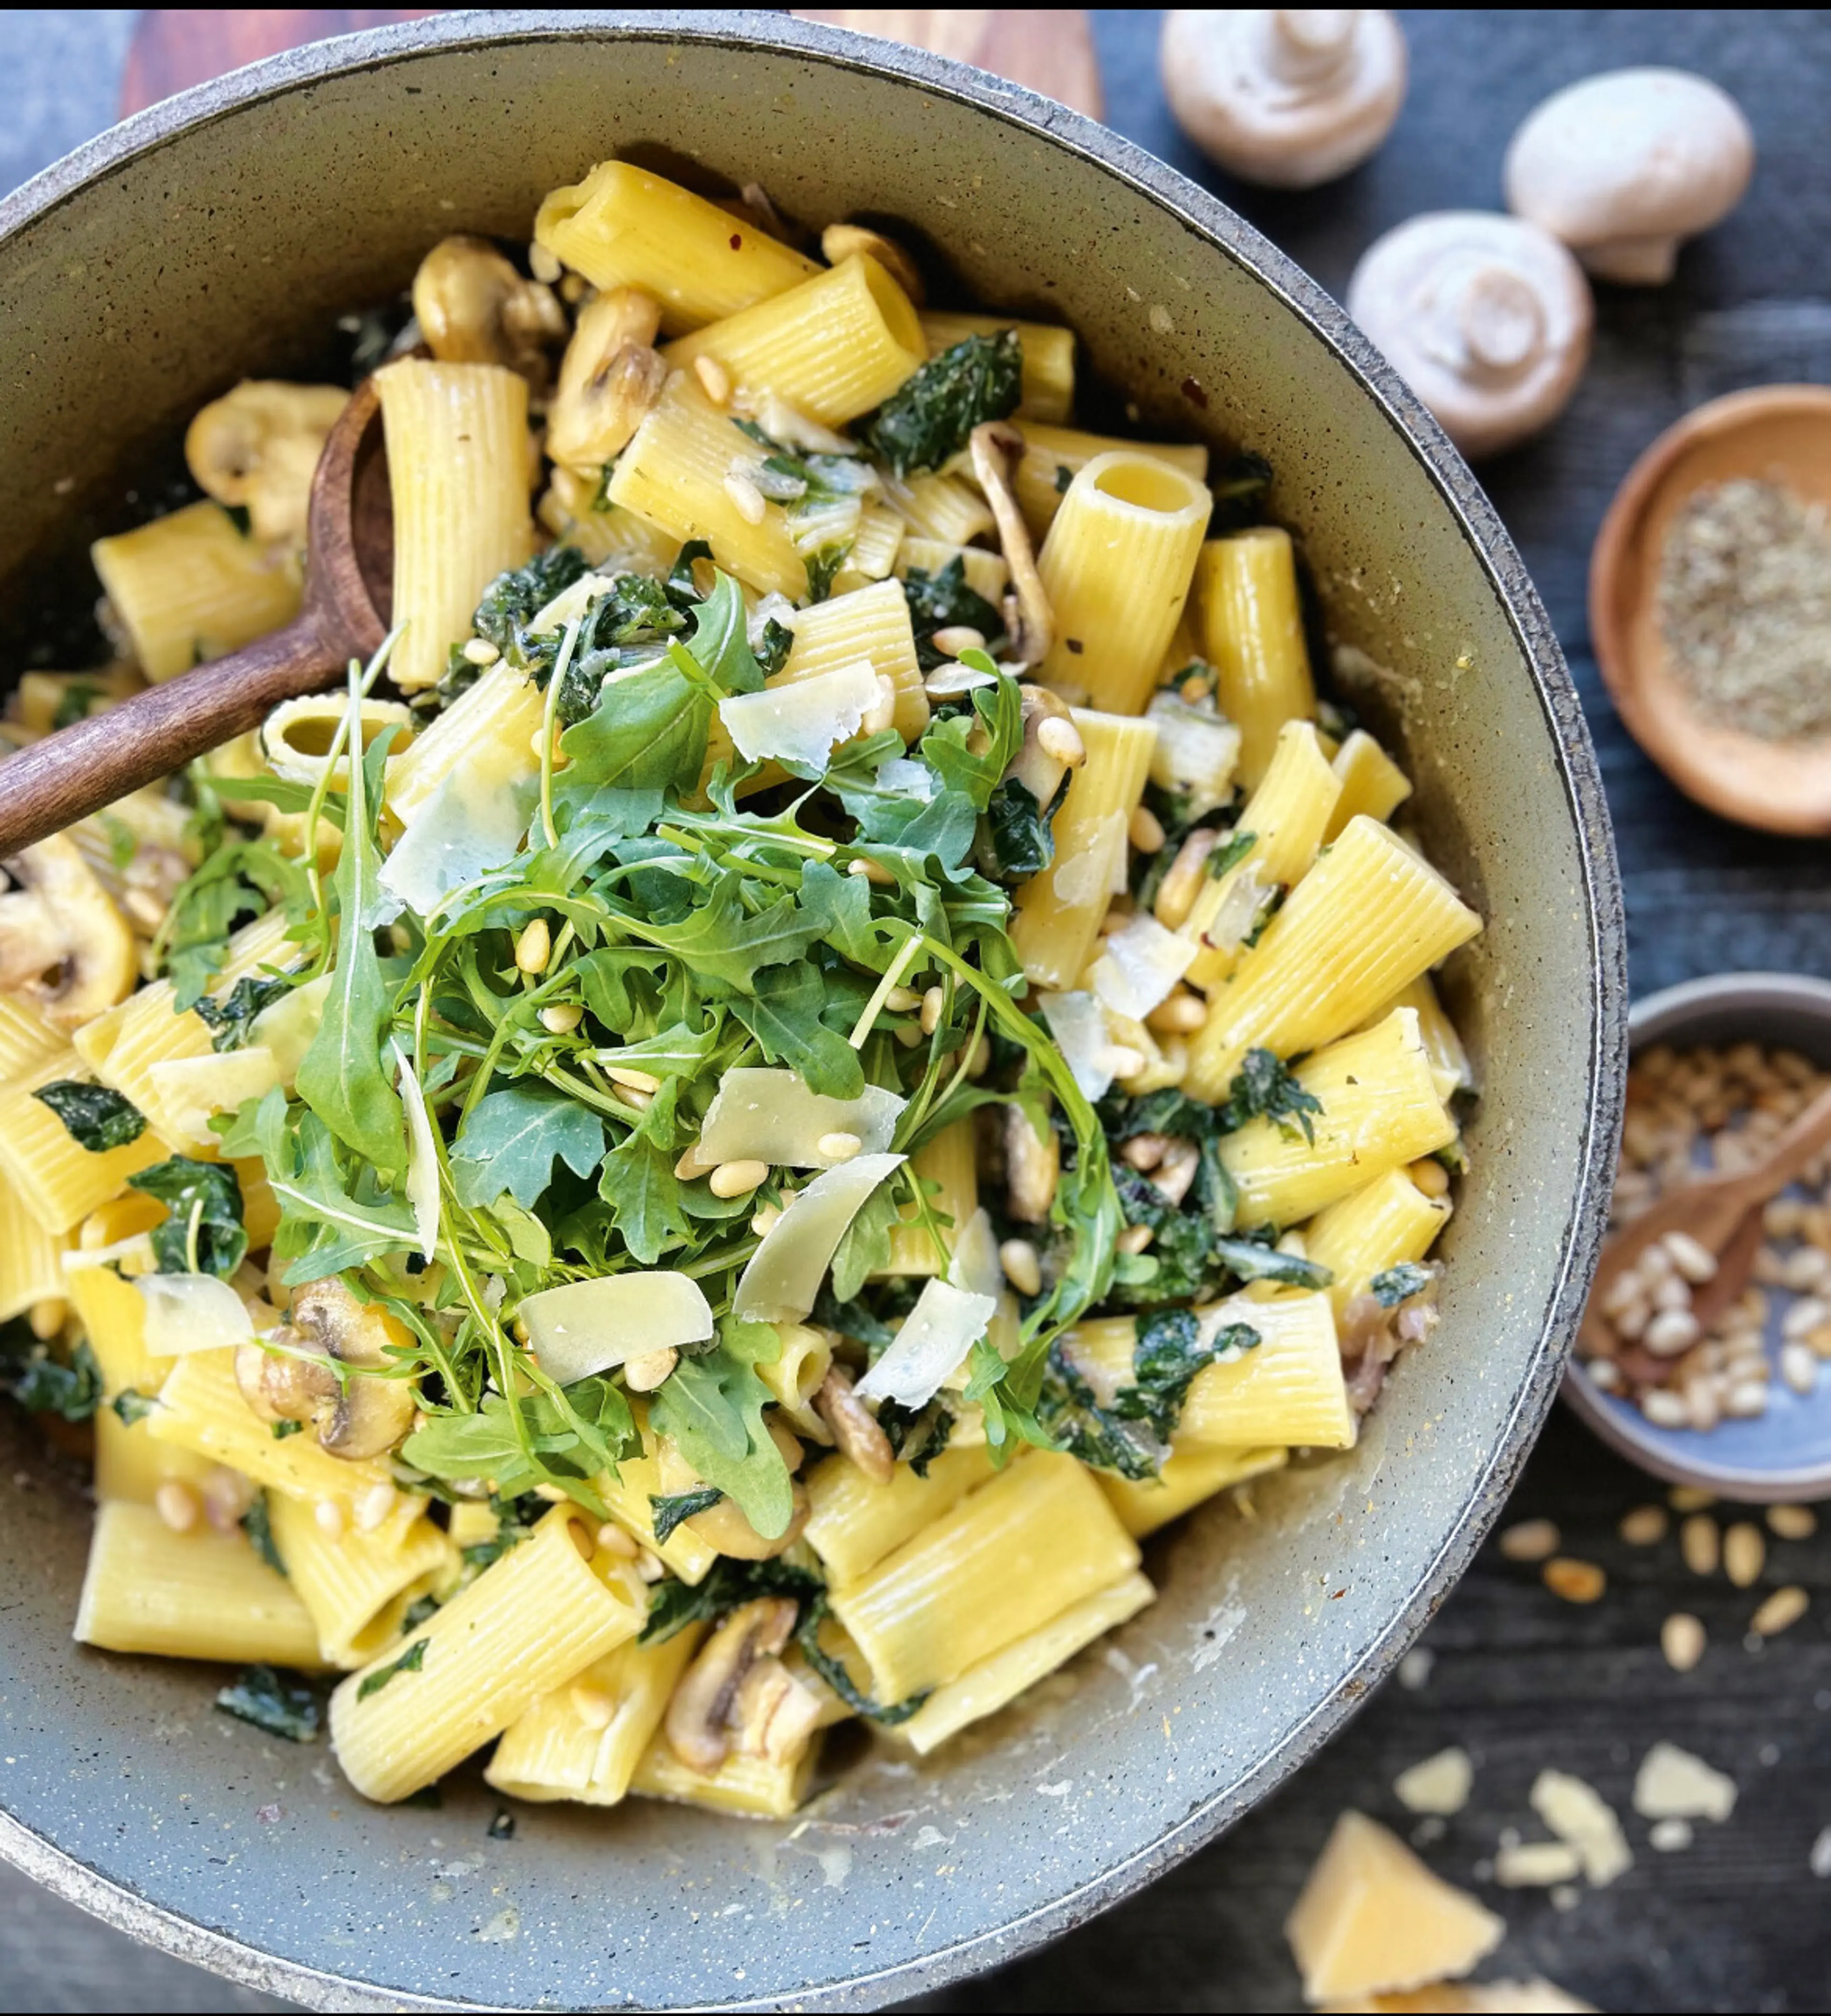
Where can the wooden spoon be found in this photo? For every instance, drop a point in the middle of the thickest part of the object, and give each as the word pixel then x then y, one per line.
pixel 349 597
pixel 1778 433
pixel 1720 1213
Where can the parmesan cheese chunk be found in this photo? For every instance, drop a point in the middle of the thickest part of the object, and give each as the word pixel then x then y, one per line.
pixel 187 1090
pixel 800 722
pixel 1578 1814
pixel 936 1336
pixel 187 1313
pixel 1672 1784
pixel 1141 962
pixel 1373 1920
pixel 1537 1997
pixel 1438 1785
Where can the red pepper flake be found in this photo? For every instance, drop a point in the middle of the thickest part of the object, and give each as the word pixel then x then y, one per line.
pixel 737 245
pixel 1192 392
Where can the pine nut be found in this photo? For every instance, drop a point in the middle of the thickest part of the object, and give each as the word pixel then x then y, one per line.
pixel 374 1506
pixel 1671 1294
pixel 714 379
pixel 1061 739
pixel 1605 1373
pixel 1645 1526
pixel 1799 1366
pixel 692 1164
pixel 1430 1176
pixel 1180 1015
pixel 1682 1641
pixel 1695 1260
pixel 1146 831
pixel 634 1081
pixel 749 502
pixel 1023 1269
pixel 1746 1400
pixel 1803 1317
pixel 591 1705
pixel 480 651
pixel 1144 1151
pixel 872 871
pixel 328 1515
pixel 177 1505
pixel 1134 1238
pixel 1700 1543
pixel 739 1178
pixel 542 265
pixel 1671 1332
pixel 982 1057
pixel 560 1018
pixel 1780 1611
pixel 900 1000
pixel 1575 1582
pixel 764 1216
pixel 958 637
pixel 534 947
pixel 1745 1553
pixel 882 710
pixel 1530 1540
pixel 612 1539
pixel 1792 1522
pixel 1781 1216
pixel 1177 892
pixel 646 1371
pixel 838 1146
pixel 933 1002
pixel 1819 1340
pixel 1664 1408
pixel 651 1567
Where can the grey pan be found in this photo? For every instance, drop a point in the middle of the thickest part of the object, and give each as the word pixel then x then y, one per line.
pixel 216 235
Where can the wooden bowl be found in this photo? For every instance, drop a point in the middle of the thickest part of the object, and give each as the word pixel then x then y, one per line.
pixel 1780 434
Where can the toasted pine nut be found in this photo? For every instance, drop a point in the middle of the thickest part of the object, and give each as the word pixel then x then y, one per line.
pixel 1530 1540
pixel 592 1706
pixel 612 1539
pixel 958 637
pixel 872 871
pixel 328 1515
pixel 750 502
pixel 764 1216
pixel 739 1178
pixel 542 265
pixel 714 378
pixel 634 1081
pixel 1023 1269
pixel 1430 1176
pixel 1135 1239
pixel 1181 1014
pixel 838 1146
pixel 1177 892
pixel 1061 739
pixel 693 1163
pixel 900 1000
pixel 933 1002
pixel 1700 1543
pixel 534 947
pixel 1144 1151
pixel 1146 830
pixel 480 651
pixel 1575 1582
pixel 1745 1553
pixel 177 1505
pixel 1695 1261
pixel 374 1506
pixel 648 1369
pixel 1784 1607
pixel 1682 1641
pixel 560 1018
pixel 1792 1522
pixel 1644 1526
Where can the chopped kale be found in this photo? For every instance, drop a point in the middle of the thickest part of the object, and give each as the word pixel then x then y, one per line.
pixel 943 601
pixel 773 646
pixel 1171 1114
pixel 823 567
pixel 45 1385
pixel 683 588
pixel 728 1583
pixel 916 1435
pixel 1264 1088
pixel 1229 853
pixel 95 1116
pixel 1398 1284
pixel 1068 1411
pixel 131 1404
pixel 1064 476
pixel 1259 1260
pixel 514 598
pixel 833 1671
pixel 280 1430
pixel 231 1021
pixel 1019 830
pixel 204 1233
pixel 1239 494
pixel 410 1661
pixel 258 1524
pixel 668 1513
pixel 854 1319
pixel 281 1704
pixel 928 419
pixel 238 883
pixel 418 1611
pixel 1169 1352
pixel 1182 1261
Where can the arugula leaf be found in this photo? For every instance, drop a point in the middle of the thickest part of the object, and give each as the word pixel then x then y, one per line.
pixel 238 883
pixel 648 732
pixel 342 1076
pixel 231 1020
pixel 258 1524
pixel 327 1221
pixel 665 1514
pixel 721 940
pixel 784 1016
pixel 204 1233
pixel 1230 853
pixel 943 601
pixel 1398 1284
pixel 410 1661
pixel 727 1585
pixel 712 1407
pixel 721 641
pixel 865 1247
pixel 926 421
pixel 1252 1260
pixel 95 1116
pixel 43 1385
pixel 639 1185
pixel 569 1439
pixel 282 1703
pixel 513 1138
pixel 1018 829
pixel 1265 1088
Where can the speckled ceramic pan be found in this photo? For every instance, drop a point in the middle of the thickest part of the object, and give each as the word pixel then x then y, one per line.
pixel 216 235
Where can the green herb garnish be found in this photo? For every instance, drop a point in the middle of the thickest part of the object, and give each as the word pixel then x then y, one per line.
pixel 95 1116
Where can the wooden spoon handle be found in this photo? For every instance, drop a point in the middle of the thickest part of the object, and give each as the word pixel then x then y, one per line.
pixel 78 771
pixel 1801 1144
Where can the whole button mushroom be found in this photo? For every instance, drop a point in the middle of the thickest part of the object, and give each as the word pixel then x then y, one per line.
pixel 1624 167
pixel 1486 318
pixel 1289 96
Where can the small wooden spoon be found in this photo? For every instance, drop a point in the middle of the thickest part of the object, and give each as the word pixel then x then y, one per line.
pixel 349 597
pixel 1778 433
pixel 1720 1213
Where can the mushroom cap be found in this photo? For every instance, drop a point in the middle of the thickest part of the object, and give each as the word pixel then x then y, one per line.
pixel 1287 96
pixel 1486 318
pixel 1631 154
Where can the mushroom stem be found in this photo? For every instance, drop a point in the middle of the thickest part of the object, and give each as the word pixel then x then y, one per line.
pixel 996 447
pixel 698 1722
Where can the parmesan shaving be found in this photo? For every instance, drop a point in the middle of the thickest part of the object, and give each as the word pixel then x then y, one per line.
pixel 187 1313
pixel 422 1159
pixel 1078 1023
pixel 774 1117
pixel 936 1334
pixel 800 722
pixel 1142 963
pixel 1085 878
pixel 588 1326
pixel 472 822
pixel 1195 752
pixel 1580 1816
pixel 1237 910
pixel 288 1027
pixel 186 1091
pixel 784 1273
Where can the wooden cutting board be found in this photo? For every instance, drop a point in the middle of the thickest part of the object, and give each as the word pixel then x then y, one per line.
pixel 1050 50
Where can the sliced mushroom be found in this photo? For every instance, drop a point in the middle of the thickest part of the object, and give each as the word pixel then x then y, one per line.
pixel 855 1429
pixel 369 1415
pixel 1033 1166
pixel 291 1378
pixel 611 376
pixel 997 449
pixel 773 1714
pixel 838 242
pixel 1047 754
pixel 257 449
pixel 473 308
pixel 64 944
pixel 699 1719
pixel 1371 1336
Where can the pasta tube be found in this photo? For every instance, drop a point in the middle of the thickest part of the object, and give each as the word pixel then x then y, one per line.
pixel 951 1159
pixel 622 226
pixel 495 724
pixel 833 346
pixel 357 1582
pixel 570 510
pixel 853 1523
pixel 875 547
pixel 201 1595
pixel 1287 817
pixel 563 1747
pixel 1193 1471
pixel 985 573
pixel 1053 456
pixel 1116 567
pixel 130 1465
pixel 1449 1059
pixel 1252 633
pixel 1059 912
pixel 1371 783
pixel 1382 1225
pixel 32 1259
pixel 1288 1392
pixel 113 1313
pixel 940 507
pixel 690 471
pixel 459 471
pixel 190 587
pixel 798 1374
pixel 532 1619
pixel 1046 389
pixel 1005 1560
pixel 995 1683
pixel 1381 1108
pixel 871 625
pixel 639 1479
pixel 57 1179
pixel 27 1039
pixel 751 1788
pixel 1368 919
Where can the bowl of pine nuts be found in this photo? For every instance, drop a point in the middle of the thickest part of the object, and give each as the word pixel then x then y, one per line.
pixel 1740 1403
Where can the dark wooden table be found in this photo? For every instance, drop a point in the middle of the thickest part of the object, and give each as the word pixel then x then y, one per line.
pixel 1737 1921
